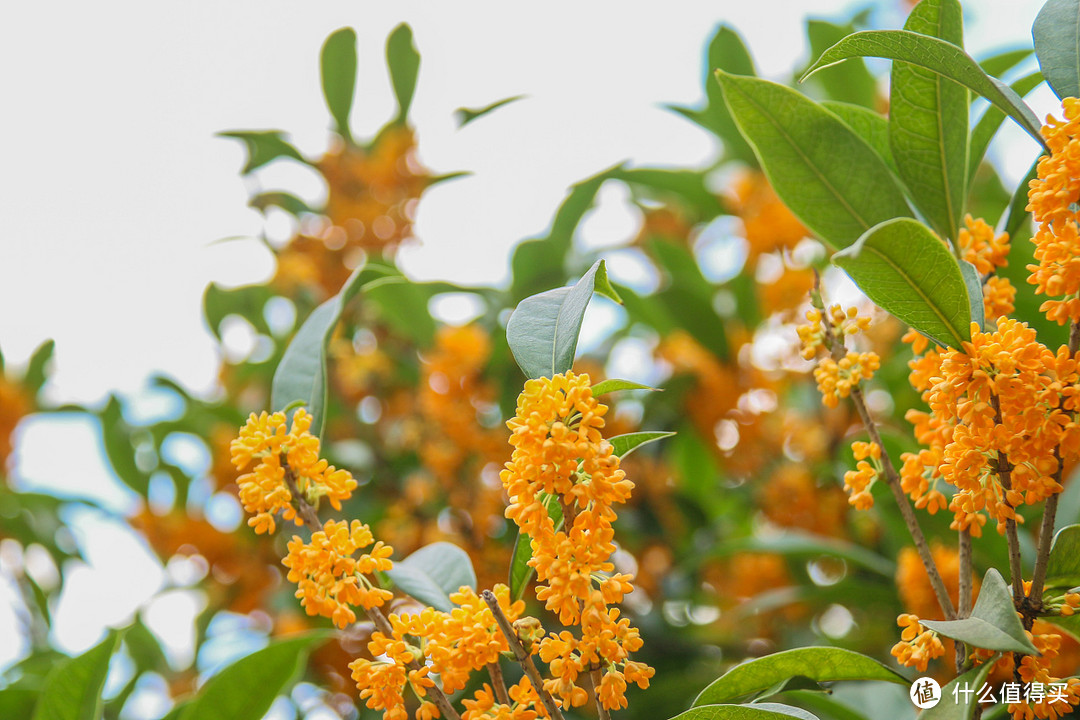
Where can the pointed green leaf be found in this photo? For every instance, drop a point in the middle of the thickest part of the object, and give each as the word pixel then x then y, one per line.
pixel 934 54
pixel 38 366
pixel 949 708
pixel 867 124
pixel 907 270
pixel 116 436
pixel 247 301
pixel 829 177
pixel 433 573
pixel 286 201
pixel 263 147
pixel 543 329
pixel 338 65
pixel 614 385
pixel 467 115
pixel 851 83
pixel 404 63
pixel 1000 63
pixel 823 664
pixel 17 702
pixel 1056 33
pixel 726 52
pixel 301 374
pixel 629 442
pixel 72 691
pixel 974 286
pixel 1063 566
pixel 928 123
pixel 245 689
pixel 991 121
pixel 757 711
pixel 521 573
pixel 1018 212
pixel 993 624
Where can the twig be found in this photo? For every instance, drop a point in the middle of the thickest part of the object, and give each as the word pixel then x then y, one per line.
pixel 303 509
pixel 497 681
pixel 1046 531
pixel 521 656
pixel 1004 470
pixel 964 604
pixel 596 674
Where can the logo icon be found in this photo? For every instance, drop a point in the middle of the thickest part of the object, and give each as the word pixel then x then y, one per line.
pixel 925 692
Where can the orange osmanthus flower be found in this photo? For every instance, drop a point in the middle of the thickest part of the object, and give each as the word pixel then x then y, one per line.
pixel 275 451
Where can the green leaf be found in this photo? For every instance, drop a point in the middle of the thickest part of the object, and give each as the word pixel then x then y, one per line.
pixel 928 123
pixel 1063 565
pixel 825 173
pixel 867 124
pixel 851 83
pixel 757 711
pixel 974 286
pixel 934 54
pixel 301 374
pixel 404 63
pixel 948 708
pixel 263 147
pixel 727 52
pixel 823 664
pixel 803 544
pixel 1000 63
pixel 17 702
pixel 543 329
pixel 245 689
pixel 404 305
pixel 991 121
pixel 521 574
pixel 433 573
pixel 629 442
pixel 1018 212
pixel 689 186
pixel 286 201
pixel 116 436
pixel 614 385
pixel 993 623
pixel 1056 33
pixel 37 367
pixel 467 115
pixel 338 66
pixel 908 271
pixel 72 691
pixel 247 301
pixel 821 703
pixel 687 296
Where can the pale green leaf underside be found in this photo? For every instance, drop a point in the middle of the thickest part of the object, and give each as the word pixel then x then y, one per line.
pixel 993 624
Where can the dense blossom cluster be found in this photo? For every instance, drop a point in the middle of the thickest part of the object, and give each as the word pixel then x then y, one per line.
pixel 559 453
pixel 836 376
pixel 330 580
pixel 278 453
pixel 987 252
pixel 1052 199
pixel 918 645
pixel 449 645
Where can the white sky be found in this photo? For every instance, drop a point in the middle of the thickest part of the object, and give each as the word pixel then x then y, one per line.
pixel 113 187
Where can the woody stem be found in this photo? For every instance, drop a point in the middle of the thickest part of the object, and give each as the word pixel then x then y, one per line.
pixel 596 674
pixel 524 658
pixel 303 508
pixel 964 598
pixel 497 681
pixel 1004 470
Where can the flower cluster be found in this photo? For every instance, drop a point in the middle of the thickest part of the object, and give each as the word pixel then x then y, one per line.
pixel 560 456
pixel 1051 198
pixel 330 581
pixel 1037 669
pixel 859 481
pixel 451 645
pixel 836 377
pixel 918 645
pixel 988 252
pixel 283 459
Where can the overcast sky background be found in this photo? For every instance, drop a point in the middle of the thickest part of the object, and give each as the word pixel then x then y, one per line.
pixel 114 188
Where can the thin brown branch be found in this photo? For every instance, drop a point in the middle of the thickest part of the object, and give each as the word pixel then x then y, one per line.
pixel 303 509
pixel 1004 470
pixel 497 681
pixel 596 674
pixel 964 599
pixel 524 658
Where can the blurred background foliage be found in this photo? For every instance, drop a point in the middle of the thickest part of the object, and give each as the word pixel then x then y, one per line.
pixel 739 532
